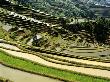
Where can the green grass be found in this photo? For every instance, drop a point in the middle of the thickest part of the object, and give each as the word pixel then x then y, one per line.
pixel 37 68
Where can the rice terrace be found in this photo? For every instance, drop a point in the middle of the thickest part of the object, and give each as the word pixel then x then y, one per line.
pixel 54 41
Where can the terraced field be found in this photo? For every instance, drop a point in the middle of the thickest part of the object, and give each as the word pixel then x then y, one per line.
pixel 37 59
pixel 104 73
pixel 93 61
pixel 23 23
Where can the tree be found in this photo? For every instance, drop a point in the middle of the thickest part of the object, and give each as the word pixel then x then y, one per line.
pixel 62 21
pixel 101 30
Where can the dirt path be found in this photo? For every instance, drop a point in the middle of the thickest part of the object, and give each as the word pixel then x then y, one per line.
pixel 90 71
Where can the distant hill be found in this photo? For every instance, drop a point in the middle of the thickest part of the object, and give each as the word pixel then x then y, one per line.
pixel 68 8
pixel 98 2
pixel 99 7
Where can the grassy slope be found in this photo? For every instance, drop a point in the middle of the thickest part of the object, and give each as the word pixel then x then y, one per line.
pixel 37 68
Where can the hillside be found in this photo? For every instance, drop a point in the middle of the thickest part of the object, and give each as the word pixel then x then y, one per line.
pixel 68 8
pixel 35 28
pixel 98 2
pixel 99 7
pixel 37 37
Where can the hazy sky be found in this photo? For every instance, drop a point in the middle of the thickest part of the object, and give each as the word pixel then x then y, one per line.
pixel 108 0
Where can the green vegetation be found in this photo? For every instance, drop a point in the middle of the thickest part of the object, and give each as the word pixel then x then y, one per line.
pixel 4 80
pixel 69 8
pixel 32 67
pixel 61 8
pixel 97 31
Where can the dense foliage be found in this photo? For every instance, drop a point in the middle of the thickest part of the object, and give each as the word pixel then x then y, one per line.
pixel 68 8
pixel 98 30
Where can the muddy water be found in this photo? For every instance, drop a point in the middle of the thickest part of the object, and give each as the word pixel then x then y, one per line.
pixel 20 76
